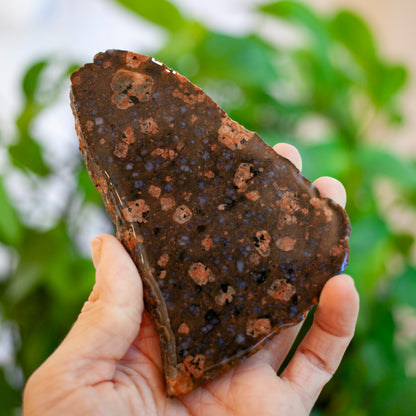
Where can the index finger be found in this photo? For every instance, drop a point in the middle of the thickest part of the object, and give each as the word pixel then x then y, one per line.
pixel 328 187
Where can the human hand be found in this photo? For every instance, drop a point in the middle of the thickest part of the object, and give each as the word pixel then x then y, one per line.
pixel 110 362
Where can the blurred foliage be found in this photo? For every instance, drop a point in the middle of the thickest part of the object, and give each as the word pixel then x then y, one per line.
pixel 336 76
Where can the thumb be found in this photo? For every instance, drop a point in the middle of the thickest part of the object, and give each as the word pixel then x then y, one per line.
pixel 322 349
pixel 110 319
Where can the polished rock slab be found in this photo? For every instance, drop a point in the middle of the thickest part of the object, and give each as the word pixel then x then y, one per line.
pixel 231 241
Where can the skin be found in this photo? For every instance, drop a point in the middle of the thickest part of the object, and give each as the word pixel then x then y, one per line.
pixel 110 362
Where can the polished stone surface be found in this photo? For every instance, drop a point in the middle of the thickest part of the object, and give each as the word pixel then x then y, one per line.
pixel 232 242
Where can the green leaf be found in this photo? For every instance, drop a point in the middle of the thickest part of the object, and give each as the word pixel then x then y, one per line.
pixel 324 159
pixel 305 17
pixel 39 253
pixel 404 243
pixel 386 82
pixel 394 396
pixel 10 228
pixel 403 288
pixel 71 68
pixel 182 47
pixel 383 80
pixel 246 61
pixel 24 281
pixel 10 396
pixel 27 154
pixel 31 79
pixel 87 188
pixel 370 252
pixel 377 162
pixel 298 13
pixel 349 29
pixel 373 353
pixel 160 12
pixel 367 232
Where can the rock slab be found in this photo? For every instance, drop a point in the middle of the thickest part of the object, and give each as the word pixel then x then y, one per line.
pixel 231 241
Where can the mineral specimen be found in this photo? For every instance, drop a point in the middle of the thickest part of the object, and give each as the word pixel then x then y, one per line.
pixel 231 241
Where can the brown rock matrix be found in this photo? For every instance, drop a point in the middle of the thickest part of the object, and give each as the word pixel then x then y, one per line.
pixel 231 241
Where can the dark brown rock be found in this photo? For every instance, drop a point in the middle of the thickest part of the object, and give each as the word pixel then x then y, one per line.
pixel 232 242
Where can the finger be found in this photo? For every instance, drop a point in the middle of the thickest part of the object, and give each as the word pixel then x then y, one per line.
pixel 332 188
pixel 321 351
pixel 110 319
pixel 289 152
pixel 276 350
pixel 328 187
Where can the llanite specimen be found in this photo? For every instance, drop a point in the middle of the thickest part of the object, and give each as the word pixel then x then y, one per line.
pixel 232 242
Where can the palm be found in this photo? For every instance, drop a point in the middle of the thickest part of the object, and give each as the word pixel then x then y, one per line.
pixel 104 368
pixel 251 388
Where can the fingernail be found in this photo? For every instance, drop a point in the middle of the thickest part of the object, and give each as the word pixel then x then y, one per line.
pixel 96 244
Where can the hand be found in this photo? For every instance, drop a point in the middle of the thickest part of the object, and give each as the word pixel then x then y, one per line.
pixel 110 362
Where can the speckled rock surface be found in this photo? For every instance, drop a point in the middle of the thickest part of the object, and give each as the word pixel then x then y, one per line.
pixel 232 242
